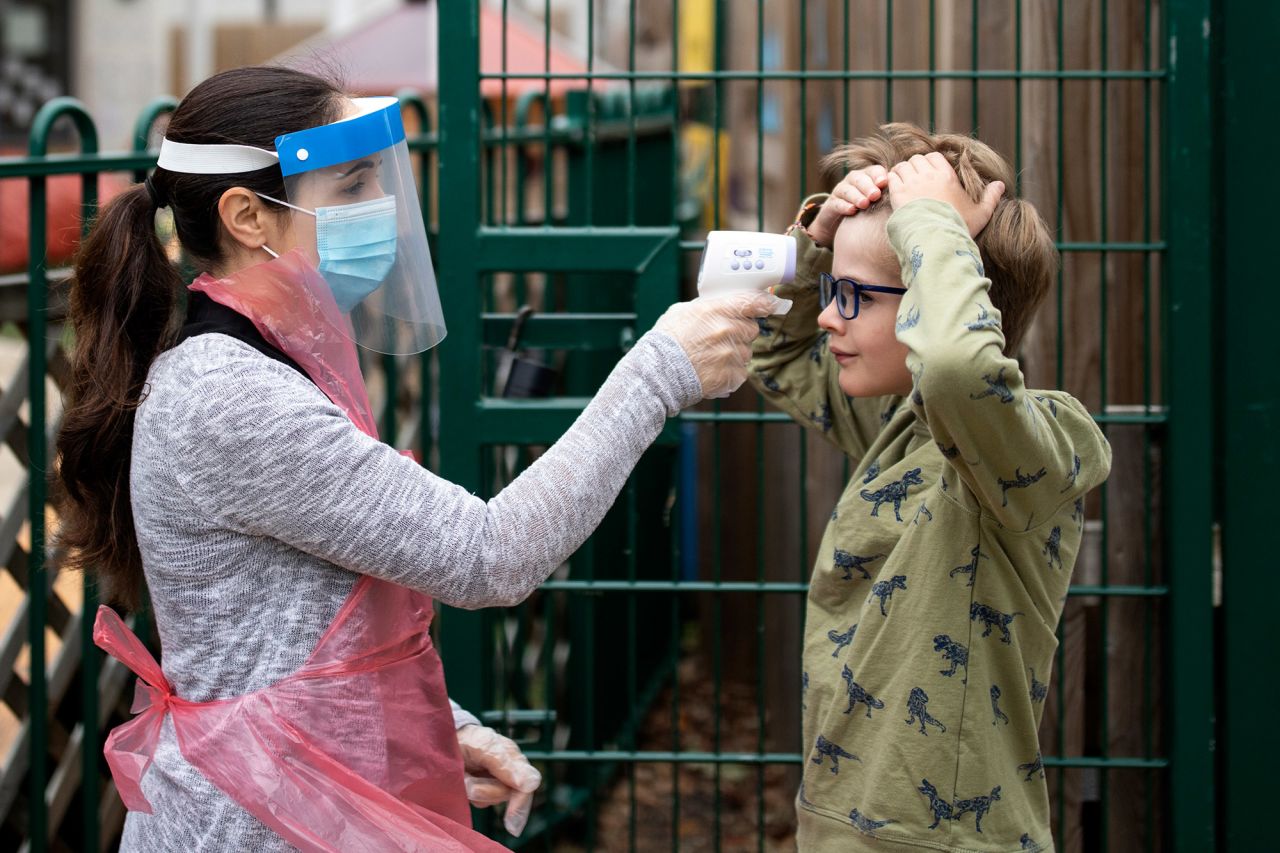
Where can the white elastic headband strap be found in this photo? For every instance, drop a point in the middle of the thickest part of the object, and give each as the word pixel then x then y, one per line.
pixel 213 159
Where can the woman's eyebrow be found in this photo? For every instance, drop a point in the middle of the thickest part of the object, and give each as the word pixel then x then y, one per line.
pixel 363 164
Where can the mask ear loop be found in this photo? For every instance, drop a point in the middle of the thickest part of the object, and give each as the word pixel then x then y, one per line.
pixel 265 247
pixel 286 204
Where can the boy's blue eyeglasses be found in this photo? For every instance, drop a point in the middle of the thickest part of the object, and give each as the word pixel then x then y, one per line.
pixel 848 293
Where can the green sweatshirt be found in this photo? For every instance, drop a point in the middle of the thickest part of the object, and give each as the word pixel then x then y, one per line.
pixel 940 580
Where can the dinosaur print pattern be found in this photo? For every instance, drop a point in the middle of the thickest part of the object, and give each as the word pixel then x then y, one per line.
pixel 841 640
pixel 826 749
pixel 977 261
pixel 873 471
pixel 887 415
pixel 858 695
pixel 997 715
pixel 923 509
pixel 1051 546
pixel 984 321
pixel 1032 767
pixel 995 388
pixel 910 321
pixel 815 351
pixel 970 568
pixel 947 452
pixel 953 653
pixel 883 590
pixel 1073 474
pixel 866 825
pixel 1019 481
pixel 769 382
pixel 852 562
pixel 822 417
pixel 917 373
pixel 939 805
pixel 917 261
pixel 943 810
pixel 979 806
pixel 1039 690
pixel 1025 842
pixel 992 619
pixel 918 711
pixel 896 492
pixel 1077 514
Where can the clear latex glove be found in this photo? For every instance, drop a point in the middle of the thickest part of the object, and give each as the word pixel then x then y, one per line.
pixel 497 772
pixel 716 333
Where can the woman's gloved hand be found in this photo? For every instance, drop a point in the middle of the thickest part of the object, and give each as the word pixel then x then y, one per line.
pixel 497 772
pixel 716 333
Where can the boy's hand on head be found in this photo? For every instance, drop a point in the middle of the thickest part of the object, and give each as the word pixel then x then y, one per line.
pixel 860 189
pixel 931 176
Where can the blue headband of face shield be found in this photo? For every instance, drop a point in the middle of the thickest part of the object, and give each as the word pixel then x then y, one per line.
pixel 356 244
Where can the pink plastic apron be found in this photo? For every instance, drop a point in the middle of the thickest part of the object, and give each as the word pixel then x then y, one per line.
pixel 356 751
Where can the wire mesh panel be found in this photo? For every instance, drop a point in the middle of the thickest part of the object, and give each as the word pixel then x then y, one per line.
pixel 656 676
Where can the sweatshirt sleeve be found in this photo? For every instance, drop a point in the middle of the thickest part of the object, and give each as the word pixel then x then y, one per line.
pixel 261 451
pixel 795 371
pixel 1021 455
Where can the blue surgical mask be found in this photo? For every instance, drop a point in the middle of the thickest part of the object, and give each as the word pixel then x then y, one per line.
pixel 356 244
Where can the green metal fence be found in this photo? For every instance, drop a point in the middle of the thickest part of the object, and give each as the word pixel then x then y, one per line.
pixel 1095 102
pixel 655 678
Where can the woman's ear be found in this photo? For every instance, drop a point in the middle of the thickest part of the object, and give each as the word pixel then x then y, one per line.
pixel 245 218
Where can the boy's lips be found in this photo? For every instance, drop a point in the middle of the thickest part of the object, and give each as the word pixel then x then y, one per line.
pixel 841 356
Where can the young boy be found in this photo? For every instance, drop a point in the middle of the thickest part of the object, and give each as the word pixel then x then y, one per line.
pixel 944 570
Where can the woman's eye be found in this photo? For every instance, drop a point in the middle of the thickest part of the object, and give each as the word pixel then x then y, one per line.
pixel 355 189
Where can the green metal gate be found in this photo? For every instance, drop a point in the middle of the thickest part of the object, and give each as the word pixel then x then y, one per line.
pixel 1128 737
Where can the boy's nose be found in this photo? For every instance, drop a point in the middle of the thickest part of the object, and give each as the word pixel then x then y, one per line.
pixel 831 321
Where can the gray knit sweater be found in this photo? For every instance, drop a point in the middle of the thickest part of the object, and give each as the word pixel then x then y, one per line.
pixel 258 503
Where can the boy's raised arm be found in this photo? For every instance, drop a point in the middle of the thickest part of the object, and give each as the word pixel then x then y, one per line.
pixel 792 367
pixel 1021 455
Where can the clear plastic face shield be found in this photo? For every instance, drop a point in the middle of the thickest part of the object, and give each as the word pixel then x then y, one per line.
pixel 356 218
pixel 355 207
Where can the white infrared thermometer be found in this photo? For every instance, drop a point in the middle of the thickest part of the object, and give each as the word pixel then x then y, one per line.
pixel 745 260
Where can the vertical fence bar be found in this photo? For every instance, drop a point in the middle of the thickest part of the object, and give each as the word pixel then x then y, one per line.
pixel 1251 403
pixel 462 632
pixel 1104 607
pixel 37 702
pixel 1148 540
pixel 38 582
pixel 90 655
pixel 1017 97
pixel 717 566
pixel 1190 377
pixel 973 61
pixel 888 60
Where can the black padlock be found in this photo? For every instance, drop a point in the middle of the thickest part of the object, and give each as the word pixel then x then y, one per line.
pixel 526 377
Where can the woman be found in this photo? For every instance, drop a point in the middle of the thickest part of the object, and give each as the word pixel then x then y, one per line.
pixel 230 468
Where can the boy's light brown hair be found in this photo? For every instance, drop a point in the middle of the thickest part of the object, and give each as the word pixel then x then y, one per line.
pixel 1017 249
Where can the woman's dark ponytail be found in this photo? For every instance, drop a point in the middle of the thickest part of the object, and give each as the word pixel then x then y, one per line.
pixel 124 296
pixel 122 311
